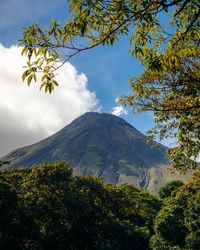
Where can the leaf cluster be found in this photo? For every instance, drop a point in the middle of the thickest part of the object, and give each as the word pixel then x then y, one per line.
pixel 172 92
pixel 93 23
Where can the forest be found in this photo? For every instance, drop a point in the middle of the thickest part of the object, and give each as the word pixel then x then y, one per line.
pixel 45 207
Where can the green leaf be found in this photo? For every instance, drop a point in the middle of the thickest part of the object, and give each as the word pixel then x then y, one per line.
pixel 30 79
pixel 25 74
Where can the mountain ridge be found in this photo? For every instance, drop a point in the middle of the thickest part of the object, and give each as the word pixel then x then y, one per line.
pixel 101 144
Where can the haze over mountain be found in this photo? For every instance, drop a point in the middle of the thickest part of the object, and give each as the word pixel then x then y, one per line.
pixel 101 144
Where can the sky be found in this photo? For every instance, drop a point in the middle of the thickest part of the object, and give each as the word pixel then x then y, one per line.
pixel 92 81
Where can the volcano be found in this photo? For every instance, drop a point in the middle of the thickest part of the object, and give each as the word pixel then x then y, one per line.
pixel 101 144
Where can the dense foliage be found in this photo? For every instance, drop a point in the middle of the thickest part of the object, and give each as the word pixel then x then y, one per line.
pixel 44 207
pixel 177 225
pixel 166 190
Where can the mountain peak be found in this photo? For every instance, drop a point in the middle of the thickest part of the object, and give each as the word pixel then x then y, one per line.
pixel 101 144
pixel 105 120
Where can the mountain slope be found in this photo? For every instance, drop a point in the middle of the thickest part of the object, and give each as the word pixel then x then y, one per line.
pixel 103 145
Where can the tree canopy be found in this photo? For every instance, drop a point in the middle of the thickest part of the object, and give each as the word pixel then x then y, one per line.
pixel 166 190
pixel 177 225
pixel 44 207
pixel 169 85
pixel 173 93
pixel 103 23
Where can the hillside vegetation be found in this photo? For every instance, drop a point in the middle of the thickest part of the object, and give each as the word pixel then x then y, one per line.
pixel 45 207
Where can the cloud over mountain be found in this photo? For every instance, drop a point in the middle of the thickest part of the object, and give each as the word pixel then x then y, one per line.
pixel 27 114
pixel 119 110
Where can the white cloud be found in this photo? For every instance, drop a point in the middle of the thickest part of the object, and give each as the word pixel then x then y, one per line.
pixel 27 114
pixel 119 110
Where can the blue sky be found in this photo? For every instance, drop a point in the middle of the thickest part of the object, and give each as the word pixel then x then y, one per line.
pixel 94 81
